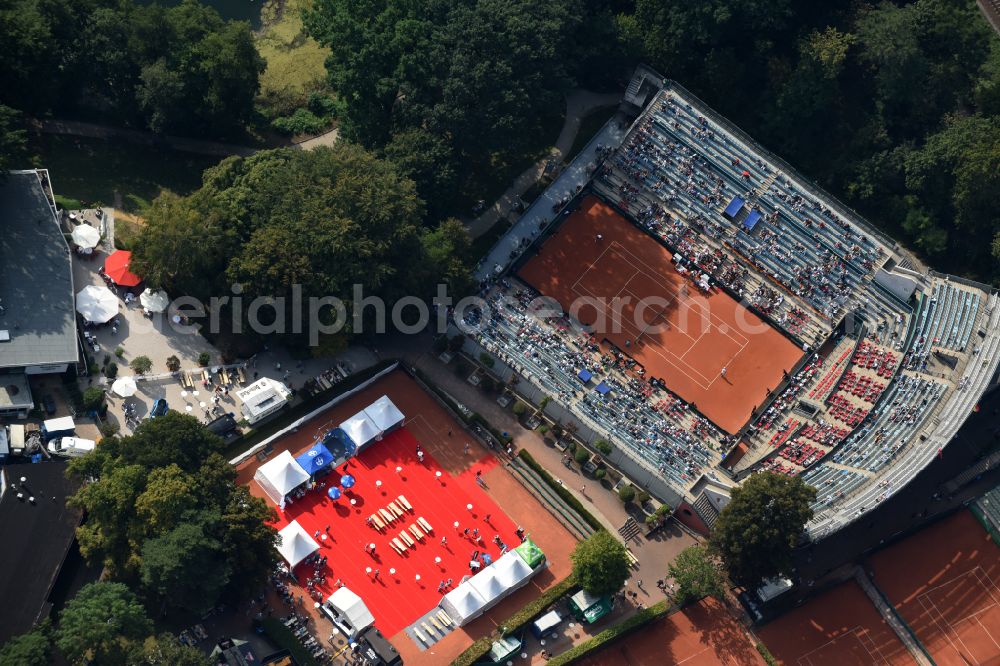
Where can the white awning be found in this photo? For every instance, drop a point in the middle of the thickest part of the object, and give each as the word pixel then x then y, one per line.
pixel 352 610
pixel 463 603
pixel 97 304
pixel 295 544
pixel 384 414
pixel 85 235
pixel 361 429
pixel 280 476
pixel 154 301
pixel 511 570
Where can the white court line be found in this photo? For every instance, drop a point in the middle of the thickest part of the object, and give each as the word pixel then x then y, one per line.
pixel 948 628
pixel 875 657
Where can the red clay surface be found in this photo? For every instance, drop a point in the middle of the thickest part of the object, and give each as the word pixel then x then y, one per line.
pixel 680 335
pixel 704 634
pixel 838 628
pixel 942 582
pixel 430 424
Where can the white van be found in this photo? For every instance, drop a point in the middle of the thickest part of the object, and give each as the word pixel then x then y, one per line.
pixel 72 447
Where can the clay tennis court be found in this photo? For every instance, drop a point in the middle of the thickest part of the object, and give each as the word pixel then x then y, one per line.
pixel 626 286
pixel 703 634
pixel 838 628
pixel 943 583
pixel 443 440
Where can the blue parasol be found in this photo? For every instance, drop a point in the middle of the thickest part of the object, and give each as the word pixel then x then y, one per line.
pixel 347 481
pixel 334 493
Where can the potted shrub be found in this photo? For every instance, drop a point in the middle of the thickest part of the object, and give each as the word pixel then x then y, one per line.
pixel 626 494
pixel 204 359
pixel 581 455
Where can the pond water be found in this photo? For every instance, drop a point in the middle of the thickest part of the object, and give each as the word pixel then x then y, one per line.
pixel 239 10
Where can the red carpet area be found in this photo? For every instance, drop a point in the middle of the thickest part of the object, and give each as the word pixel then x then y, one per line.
pixel 396 600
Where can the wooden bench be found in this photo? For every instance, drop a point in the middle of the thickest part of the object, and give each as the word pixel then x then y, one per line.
pixel 396 511
pixel 241 375
pixel 404 503
pixel 427 628
pixel 423 639
pixel 388 517
pixel 399 551
pixel 437 625
pixel 445 618
pixel 406 539
pixel 377 521
pixel 399 546
pixel 415 531
pixel 424 524
pixel 632 559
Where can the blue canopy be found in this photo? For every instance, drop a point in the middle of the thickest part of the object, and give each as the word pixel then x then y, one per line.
pixel 603 388
pixel 315 459
pixel 334 493
pixel 752 219
pixel 584 376
pixel 734 207
pixel 347 481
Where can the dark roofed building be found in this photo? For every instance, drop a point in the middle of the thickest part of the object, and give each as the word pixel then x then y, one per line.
pixel 37 312
pixel 36 536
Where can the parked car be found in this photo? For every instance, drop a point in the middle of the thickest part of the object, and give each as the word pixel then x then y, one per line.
pixel 160 408
pixel 49 404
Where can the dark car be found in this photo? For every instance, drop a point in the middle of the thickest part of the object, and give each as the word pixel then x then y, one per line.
pixel 49 404
pixel 159 408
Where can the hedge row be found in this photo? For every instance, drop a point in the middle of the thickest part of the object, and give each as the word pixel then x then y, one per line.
pixel 516 621
pixel 307 405
pixel 561 490
pixel 474 418
pixel 640 619
pixel 283 637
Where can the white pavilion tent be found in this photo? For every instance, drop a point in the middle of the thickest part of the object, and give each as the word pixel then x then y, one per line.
pixel 280 476
pixel 511 570
pixel 463 604
pixel 384 414
pixel 361 429
pixel 349 612
pixel 488 587
pixel 296 544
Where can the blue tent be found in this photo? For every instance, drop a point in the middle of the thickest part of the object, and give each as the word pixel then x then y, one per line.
pixel 734 207
pixel 752 219
pixel 316 459
pixel 603 388
pixel 584 376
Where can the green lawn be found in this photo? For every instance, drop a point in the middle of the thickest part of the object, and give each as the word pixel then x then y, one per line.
pixel 90 171
pixel 294 60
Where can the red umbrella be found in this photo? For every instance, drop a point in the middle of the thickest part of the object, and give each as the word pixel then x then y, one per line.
pixel 116 267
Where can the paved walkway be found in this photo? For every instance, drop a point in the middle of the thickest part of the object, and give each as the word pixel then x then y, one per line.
pixel 579 104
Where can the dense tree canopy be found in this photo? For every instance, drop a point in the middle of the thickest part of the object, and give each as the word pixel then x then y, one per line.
pixel 31 649
pixel 99 624
pixel 762 523
pixel 600 564
pixel 323 221
pixel 165 515
pixel 696 573
pixel 178 69
pixel 454 90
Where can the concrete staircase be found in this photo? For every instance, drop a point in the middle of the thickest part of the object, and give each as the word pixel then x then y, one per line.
pixel 629 530
pixel 556 505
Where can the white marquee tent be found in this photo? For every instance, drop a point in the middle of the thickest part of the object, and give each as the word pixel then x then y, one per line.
pixel 463 603
pixel 350 613
pixel 488 587
pixel 361 429
pixel 384 414
pixel 296 544
pixel 511 570
pixel 280 476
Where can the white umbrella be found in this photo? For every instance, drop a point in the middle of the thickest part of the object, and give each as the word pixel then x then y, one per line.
pixel 97 304
pixel 125 387
pixel 154 301
pixel 85 235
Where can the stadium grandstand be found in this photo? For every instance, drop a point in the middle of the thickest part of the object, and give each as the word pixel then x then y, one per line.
pixel 860 368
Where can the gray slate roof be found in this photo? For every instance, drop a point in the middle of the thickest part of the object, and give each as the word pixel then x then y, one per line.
pixel 36 277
